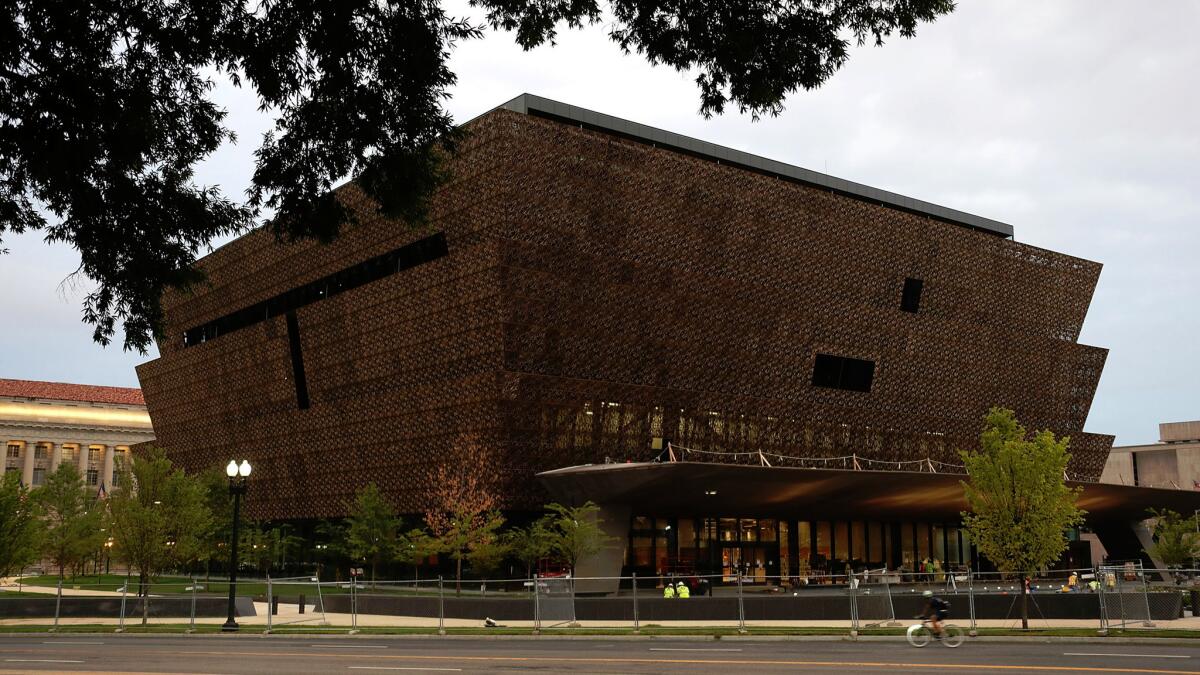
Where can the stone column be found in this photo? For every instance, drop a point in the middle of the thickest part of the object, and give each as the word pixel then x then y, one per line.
pixel 83 460
pixel 4 461
pixel 27 467
pixel 55 456
pixel 107 472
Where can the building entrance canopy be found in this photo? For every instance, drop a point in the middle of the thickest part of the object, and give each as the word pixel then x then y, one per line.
pixel 691 487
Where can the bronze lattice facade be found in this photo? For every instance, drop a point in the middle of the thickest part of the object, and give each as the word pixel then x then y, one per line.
pixel 579 293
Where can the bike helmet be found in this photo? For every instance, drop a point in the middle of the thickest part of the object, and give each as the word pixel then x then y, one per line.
pixel 928 594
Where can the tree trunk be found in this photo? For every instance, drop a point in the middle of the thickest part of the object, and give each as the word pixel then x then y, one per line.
pixel 458 575
pixel 1024 603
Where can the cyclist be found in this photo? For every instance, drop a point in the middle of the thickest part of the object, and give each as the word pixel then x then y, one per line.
pixel 936 611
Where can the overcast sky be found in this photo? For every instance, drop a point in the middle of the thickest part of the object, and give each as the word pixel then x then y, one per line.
pixel 1077 122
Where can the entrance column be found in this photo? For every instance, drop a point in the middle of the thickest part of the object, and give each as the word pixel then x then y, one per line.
pixel 55 456
pixel 83 460
pixel 607 562
pixel 27 467
pixel 107 473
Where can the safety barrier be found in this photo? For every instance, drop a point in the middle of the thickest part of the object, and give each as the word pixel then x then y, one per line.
pixel 1112 597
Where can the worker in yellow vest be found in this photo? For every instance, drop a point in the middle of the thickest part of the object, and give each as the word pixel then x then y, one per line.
pixel 682 590
pixel 669 590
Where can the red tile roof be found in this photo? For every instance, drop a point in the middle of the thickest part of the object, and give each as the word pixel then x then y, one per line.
pixel 62 391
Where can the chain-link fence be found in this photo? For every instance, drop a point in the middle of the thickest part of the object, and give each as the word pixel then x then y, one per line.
pixel 1122 596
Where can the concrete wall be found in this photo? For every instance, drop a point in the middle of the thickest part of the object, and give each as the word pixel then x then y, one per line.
pixel 1118 470
pixel 1158 468
pixel 1172 432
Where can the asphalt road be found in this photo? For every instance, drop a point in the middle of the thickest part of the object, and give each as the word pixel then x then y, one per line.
pixel 258 655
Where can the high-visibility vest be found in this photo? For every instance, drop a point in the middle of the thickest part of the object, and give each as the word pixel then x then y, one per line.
pixel 668 591
pixel 684 592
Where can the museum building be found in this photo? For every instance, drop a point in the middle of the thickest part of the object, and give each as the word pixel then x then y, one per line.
pixel 747 364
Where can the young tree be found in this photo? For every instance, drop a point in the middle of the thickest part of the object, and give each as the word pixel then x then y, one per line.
pixel 531 543
pixel 215 547
pixel 1176 539
pixel 463 513
pixel 71 520
pixel 19 528
pixel 576 532
pixel 415 546
pixel 487 556
pixel 371 527
pixel 126 91
pixel 1020 504
pixel 158 518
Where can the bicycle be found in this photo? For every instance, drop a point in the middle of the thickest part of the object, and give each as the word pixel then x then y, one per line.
pixel 919 634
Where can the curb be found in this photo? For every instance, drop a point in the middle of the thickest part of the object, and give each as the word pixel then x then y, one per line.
pixel 997 639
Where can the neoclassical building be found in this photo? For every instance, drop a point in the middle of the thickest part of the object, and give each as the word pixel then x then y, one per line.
pixel 45 424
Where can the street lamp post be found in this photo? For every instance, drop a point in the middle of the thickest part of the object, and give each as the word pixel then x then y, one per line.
pixel 238 474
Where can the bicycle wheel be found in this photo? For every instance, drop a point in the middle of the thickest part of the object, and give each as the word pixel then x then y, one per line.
pixel 952 635
pixel 918 635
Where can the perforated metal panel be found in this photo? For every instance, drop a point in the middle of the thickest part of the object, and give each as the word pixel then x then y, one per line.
pixel 600 293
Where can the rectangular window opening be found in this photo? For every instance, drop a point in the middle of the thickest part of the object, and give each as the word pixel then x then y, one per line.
pixel 399 260
pixel 910 299
pixel 842 372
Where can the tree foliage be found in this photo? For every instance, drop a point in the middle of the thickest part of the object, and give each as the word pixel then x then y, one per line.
pixel 414 546
pixel 71 519
pixel 463 513
pixel 158 517
pixel 371 527
pixel 530 544
pixel 1176 539
pixel 107 108
pixel 19 528
pixel 576 532
pixel 1020 504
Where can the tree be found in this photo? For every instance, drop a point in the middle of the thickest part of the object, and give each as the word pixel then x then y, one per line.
pixel 215 547
pixel 19 528
pixel 531 543
pixel 71 519
pixel 462 512
pixel 1176 539
pixel 371 527
pixel 1020 504
pixel 576 532
pixel 158 518
pixel 107 108
pixel 415 546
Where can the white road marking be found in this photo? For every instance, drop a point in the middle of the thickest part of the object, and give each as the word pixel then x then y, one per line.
pixel 401 668
pixel 1143 656
pixel 350 646
pixel 690 649
pixel 70 642
pixel 40 661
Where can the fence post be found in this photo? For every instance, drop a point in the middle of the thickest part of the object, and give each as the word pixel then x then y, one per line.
pixel 537 610
pixel 851 586
pixel 974 631
pixel 353 604
pixel 270 603
pixel 636 629
pixel 57 602
pixel 192 621
pixel 1146 598
pixel 441 607
pixel 124 591
pixel 741 606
